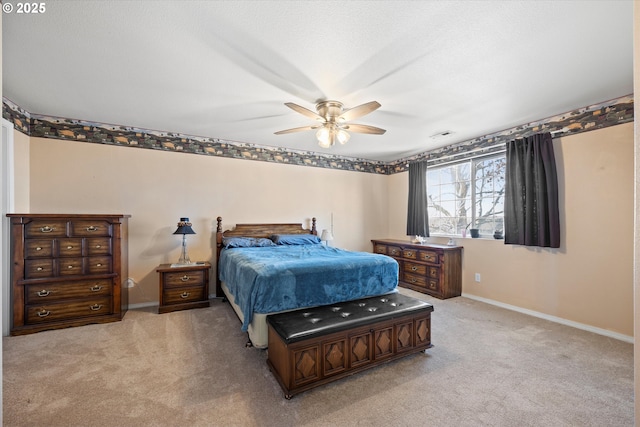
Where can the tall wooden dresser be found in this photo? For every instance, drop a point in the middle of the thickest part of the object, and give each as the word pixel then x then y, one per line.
pixel 428 268
pixel 67 270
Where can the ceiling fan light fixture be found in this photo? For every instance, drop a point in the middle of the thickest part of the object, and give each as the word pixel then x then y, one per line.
pixel 325 137
pixel 343 136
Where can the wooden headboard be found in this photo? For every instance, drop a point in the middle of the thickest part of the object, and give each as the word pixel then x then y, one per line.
pixel 256 230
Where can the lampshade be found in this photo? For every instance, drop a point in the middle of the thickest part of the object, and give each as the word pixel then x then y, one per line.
pixel 329 133
pixel 343 136
pixel 325 137
pixel 326 236
pixel 184 227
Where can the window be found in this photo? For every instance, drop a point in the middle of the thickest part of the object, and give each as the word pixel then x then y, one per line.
pixel 465 195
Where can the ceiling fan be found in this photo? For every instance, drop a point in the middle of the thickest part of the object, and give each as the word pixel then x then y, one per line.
pixel 333 120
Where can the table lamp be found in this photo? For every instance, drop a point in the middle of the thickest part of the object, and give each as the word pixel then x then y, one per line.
pixel 184 228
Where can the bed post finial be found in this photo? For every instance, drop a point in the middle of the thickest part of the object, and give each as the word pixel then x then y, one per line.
pixel 219 229
pixel 314 231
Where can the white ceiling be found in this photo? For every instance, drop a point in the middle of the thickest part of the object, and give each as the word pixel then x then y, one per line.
pixel 224 69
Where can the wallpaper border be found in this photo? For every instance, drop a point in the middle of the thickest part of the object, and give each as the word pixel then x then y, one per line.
pixel 596 116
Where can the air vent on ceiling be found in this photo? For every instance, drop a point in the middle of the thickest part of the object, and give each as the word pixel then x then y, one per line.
pixel 442 135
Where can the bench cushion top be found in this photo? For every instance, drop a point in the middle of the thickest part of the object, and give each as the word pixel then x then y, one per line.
pixel 297 325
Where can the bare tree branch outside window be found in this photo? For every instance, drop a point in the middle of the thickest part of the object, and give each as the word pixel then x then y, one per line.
pixel 467 195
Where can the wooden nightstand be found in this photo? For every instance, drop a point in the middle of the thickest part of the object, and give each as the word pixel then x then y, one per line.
pixel 183 287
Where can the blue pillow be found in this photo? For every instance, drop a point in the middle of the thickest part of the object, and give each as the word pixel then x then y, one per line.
pixel 246 242
pixel 295 239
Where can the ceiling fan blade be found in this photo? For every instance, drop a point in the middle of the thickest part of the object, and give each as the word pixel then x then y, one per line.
pixel 364 129
pixel 359 111
pixel 304 111
pixel 300 129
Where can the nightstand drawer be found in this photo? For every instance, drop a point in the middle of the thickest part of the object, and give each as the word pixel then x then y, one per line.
pixel 182 295
pixel 183 278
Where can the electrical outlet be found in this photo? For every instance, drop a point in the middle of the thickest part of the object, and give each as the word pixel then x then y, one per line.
pixel 478 277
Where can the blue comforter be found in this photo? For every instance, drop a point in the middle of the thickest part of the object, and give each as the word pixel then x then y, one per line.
pixel 272 279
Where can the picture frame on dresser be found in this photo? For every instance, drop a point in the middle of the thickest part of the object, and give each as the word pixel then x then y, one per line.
pixel 67 270
pixel 432 269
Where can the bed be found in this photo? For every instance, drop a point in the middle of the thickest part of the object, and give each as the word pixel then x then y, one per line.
pixel 271 268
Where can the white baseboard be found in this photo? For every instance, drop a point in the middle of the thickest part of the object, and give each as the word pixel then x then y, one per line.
pixel 152 303
pixel 599 331
pixel 143 305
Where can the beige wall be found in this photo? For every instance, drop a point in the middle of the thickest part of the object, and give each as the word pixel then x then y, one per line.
pixel 589 278
pixel 158 187
pixel 21 171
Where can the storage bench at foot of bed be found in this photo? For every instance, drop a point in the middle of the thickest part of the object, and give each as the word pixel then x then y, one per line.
pixel 314 346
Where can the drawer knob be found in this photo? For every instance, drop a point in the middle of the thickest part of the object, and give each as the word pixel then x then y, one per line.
pixel 43 293
pixel 185 295
pixel 92 228
pixel 44 313
pixel 409 253
pixel 99 264
pixel 185 278
pixel 69 267
pixel 46 229
pixel 39 268
pixel 414 268
pixel 413 280
pixel 98 246
pixel 95 288
pixel 69 247
pixel 95 307
pixel 38 248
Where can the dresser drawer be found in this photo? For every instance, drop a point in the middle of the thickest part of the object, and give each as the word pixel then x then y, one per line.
pixel 51 292
pixel 419 269
pixel 182 295
pixel 428 256
pixel 415 279
pixel 183 278
pixel 70 266
pixel 70 247
pixel 410 254
pixel 99 265
pixel 98 246
pixel 380 249
pixel 42 313
pixel 41 228
pixel 38 268
pixel 38 248
pixel 85 228
pixel 394 251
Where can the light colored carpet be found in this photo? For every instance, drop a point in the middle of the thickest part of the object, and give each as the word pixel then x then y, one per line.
pixel 488 367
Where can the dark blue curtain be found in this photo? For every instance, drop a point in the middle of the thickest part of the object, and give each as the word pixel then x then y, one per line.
pixel 417 216
pixel 531 212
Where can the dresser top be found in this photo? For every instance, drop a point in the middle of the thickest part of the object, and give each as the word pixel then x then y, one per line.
pixel 407 243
